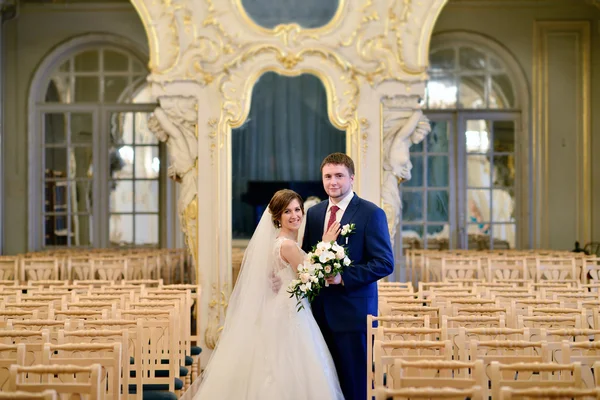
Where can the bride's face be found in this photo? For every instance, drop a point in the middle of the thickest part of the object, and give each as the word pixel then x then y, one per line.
pixel 292 216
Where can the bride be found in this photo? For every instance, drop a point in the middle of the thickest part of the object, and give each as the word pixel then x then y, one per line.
pixel 268 350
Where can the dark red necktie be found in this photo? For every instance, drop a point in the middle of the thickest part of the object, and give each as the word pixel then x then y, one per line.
pixel 333 210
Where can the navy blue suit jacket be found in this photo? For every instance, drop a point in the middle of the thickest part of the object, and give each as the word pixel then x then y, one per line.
pixel 345 308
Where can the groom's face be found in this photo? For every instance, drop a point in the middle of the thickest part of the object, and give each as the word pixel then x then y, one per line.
pixel 337 180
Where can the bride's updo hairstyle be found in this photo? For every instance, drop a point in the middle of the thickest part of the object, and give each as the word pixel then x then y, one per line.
pixel 279 202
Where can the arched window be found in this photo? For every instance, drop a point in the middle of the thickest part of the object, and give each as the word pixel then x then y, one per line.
pixel 95 170
pixel 465 189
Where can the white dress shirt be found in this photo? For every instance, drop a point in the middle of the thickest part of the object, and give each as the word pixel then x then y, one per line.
pixel 343 204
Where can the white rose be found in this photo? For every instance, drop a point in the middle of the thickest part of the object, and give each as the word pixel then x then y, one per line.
pixel 303 288
pixel 346 261
pixel 323 246
pixel 320 275
pixel 327 269
pixel 304 277
pixel 318 267
pixel 336 247
pixel 310 255
pixel 308 285
pixel 326 256
pixel 328 246
pixel 318 252
pixel 345 229
pixel 336 265
pixel 314 279
pixel 340 254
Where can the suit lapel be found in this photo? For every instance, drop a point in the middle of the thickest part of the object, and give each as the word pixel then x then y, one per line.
pixel 321 218
pixel 349 213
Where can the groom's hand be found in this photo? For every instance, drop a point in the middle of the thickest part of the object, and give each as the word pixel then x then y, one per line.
pixel 335 280
pixel 276 283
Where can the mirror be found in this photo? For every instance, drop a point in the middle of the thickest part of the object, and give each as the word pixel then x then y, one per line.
pixel 281 145
pixel 306 13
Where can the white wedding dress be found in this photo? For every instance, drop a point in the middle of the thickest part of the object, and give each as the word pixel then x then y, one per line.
pixel 283 355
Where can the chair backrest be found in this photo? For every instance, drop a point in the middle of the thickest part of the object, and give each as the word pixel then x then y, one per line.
pixel 68 379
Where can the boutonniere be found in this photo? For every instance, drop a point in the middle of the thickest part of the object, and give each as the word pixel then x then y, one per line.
pixel 348 230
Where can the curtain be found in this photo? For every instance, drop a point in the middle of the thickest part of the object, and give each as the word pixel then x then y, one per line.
pixel 285 138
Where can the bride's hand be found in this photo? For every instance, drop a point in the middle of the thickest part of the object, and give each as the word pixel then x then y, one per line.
pixel 332 233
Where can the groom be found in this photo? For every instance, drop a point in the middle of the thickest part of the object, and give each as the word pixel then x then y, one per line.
pixel 341 309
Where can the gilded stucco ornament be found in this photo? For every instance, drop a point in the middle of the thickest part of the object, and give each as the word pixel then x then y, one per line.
pixel 213 52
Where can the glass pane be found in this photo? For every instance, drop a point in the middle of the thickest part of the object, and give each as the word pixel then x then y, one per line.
pixel 146 196
pixel 438 204
pixel 307 13
pixel 503 205
pixel 438 138
pixel 504 136
pixel 412 236
pixel 417 172
pixel 115 61
pixel 477 136
pixel 115 88
pixel 472 92
pixel 83 196
pixel 121 229
pixel 438 171
pixel 121 127
pixel 82 127
pixel 478 171
pixel 479 208
pixel 121 196
pixel 147 163
pixel 55 230
pixel 442 60
pixel 138 66
pixel 146 229
pixel 121 162
pixel 59 90
pixel 412 206
pixel 82 230
pixel 441 93
pixel 502 94
pixel 56 161
pixel 495 63
pixel 87 61
pixel 417 148
pixel 437 237
pixel 471 59
pixel 56 197
pixel 87 89
pixel 143 135
pixel 80 162
pixel 55 128
pixel 504 236
pixel 504 171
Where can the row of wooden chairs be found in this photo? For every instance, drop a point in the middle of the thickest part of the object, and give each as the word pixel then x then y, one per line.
pixel 171 265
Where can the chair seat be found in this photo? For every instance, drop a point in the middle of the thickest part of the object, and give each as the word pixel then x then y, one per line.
pixel 164 373
pixel 156 387
pixel 195 350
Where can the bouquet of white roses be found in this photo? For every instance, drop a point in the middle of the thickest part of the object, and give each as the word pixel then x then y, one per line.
pixel 309 282
pixel 326 259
